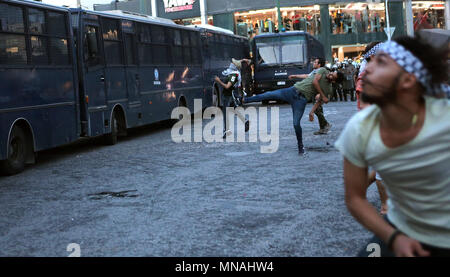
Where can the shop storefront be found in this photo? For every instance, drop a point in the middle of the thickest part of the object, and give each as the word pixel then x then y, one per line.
pixel 343 27
pixel 428 14
pixel 255 22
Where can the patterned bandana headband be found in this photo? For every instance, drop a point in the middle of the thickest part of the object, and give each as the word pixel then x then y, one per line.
pixel 372 51
pixel 412 65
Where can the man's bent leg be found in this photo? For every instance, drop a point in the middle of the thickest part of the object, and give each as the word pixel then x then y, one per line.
pixel 278 94
pixel 298 108
pixel 322 121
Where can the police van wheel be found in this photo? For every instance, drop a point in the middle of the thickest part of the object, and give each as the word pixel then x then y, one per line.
pixel 111 138
pixel 17 153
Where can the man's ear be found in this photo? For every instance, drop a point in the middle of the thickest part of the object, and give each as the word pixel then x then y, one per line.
pixel 407 81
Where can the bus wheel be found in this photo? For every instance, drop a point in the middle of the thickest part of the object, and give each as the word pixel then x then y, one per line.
pixel 17 153
pixel 111 138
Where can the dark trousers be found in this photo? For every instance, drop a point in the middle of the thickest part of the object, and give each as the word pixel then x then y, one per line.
pixel 322 121
pixel 291 96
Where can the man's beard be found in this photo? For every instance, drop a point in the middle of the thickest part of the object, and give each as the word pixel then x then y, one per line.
pixel 388 94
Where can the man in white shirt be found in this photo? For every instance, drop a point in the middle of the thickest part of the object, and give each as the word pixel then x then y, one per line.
pixel 405 137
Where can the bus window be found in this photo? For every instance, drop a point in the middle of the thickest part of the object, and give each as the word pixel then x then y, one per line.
pixel 39 53
pixel 194 39
pixel 159 47
pixel 11 18
pixel 12 49
pixel 177 49
pixel 145 34
pixel 186 48
pixel 59 54
pixel 92 53
pixel 12 46
pixel 36 20
pixel 129 46
pixel 111 41
pixel 57 24
pixel 158 35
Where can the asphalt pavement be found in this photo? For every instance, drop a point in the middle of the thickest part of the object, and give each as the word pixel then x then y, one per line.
pixel 150 196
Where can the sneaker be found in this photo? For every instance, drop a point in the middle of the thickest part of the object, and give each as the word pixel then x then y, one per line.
pixel 321 132
pixel 226 133
pixel 238 101
pixel 247 125
pixel 328 127
pixel 301 151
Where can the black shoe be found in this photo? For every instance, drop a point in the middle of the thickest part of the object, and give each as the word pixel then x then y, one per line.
pixel 247 125
pixel 301 151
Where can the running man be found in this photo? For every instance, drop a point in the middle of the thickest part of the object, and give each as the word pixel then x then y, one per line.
pixel 232 82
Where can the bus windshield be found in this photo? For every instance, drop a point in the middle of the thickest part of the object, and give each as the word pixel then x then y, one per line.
pixel 283 50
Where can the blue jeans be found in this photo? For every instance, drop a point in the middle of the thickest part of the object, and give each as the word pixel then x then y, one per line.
pixel 290 95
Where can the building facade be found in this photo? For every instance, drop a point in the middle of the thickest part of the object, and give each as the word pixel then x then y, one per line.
pixel 344 27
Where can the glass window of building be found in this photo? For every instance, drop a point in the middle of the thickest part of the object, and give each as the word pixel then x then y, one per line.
pixel 254 22
pixel 360 17
pixel 428 14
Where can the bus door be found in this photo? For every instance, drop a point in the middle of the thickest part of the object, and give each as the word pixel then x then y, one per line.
pixel 94 79
pixel 134 105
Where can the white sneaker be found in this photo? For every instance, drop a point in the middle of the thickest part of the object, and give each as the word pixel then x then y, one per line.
pixel 226 133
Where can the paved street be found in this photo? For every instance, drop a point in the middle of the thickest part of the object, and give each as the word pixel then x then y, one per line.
pixel 149 196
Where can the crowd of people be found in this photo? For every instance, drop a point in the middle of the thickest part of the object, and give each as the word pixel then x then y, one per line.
pixel 363 21
pixel 399 139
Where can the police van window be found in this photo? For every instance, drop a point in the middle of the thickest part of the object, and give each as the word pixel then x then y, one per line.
pixel 59 54
pixel 158 35
pixel 194 39
pixel 129 47
pixel 145 34
pixel 159 47
pixel 91 48
pixel 177 49
pixel 12 49
pixel 12 46
pixel 186 48
pixel 36 19
pixel 39 48
pixel 57 24
pixel 145 48
pixel 195 55
pixel 111 42
pixel 186 42
pixel 177 37
pixel 11 18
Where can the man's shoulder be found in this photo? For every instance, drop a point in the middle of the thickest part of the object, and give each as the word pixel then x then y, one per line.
pixel 363 118
pixel 322 70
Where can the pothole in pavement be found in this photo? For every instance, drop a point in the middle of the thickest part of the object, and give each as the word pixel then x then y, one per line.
pixel 110 194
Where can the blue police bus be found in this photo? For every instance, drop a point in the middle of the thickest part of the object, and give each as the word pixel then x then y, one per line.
pixel 38 82
pixel 71 73
pixel 278 55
